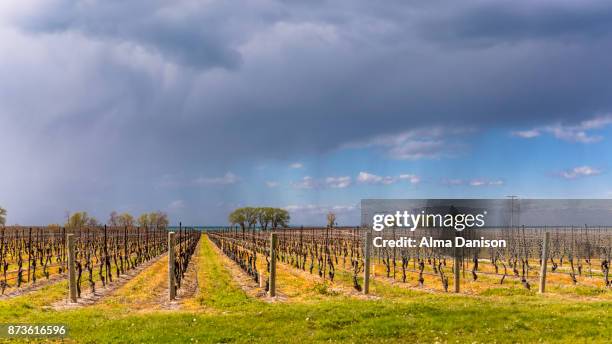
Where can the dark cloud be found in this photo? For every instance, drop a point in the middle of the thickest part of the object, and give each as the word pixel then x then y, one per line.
pixel 489 23
pixel 183 32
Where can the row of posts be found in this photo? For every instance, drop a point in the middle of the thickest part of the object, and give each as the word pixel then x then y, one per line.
pixel 72 272
pixel 171 272
pixel 272 277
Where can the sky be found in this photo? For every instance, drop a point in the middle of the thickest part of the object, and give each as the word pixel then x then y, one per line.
pixel 198 107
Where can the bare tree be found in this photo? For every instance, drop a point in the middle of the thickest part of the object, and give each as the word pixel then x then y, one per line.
pixel 144 220
pixel 113 220
pixel 92 222
pixel 126 220
pixel 331 220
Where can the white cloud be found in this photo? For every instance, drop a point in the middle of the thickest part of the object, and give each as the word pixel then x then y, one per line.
pixel 580 171
pixel 296 165
pixel 271 184
pixel 526 134
pixel 572 133
pixel 476 182
pixel 330 182
pixel 412 178
pixel 425 143
pixel 485 182
pixel 305 183
pixel 338 182
pixel 369 178
pixel 342 182
pixel 227 179
pixel 320 209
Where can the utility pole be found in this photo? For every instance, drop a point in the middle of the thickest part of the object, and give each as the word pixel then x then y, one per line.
pixel 512 198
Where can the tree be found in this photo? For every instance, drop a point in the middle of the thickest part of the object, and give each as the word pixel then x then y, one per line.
pixel 280 218
pixel 238 217
pixel 2 216
pixel 144 220
pixel 125 220
pixel 159 219
pixel 77 220
pixel 92 222
pixel 264 217
pixel 251 215
pixel 331 219
pixel 113 221
pixel 248 217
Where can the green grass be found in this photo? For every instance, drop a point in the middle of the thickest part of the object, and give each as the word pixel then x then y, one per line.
pixel 222 312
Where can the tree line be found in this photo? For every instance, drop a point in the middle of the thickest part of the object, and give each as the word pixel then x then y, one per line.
pixel 156 219
pixel 78 219
pixel 265 218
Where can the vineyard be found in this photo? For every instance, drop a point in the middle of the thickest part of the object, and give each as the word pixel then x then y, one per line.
pixel 101 253
pixel 576 256
pixel 255 286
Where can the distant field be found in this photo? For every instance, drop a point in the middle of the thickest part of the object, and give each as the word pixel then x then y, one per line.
pixel 226 306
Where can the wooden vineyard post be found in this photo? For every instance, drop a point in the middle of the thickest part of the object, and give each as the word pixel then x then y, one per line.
pixel 71 270
pixel 273 239
pixel 171 284
pixel 366 264
pixel 457 270
pixel 262 280
pixel 543 264
pixel 29 252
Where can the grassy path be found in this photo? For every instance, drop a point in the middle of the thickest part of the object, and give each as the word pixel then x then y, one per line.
pixel 142 292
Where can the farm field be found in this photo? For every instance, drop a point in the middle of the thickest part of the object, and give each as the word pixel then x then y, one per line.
pixel 220 302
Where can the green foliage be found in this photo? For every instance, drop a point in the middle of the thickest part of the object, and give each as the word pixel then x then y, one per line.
pixel 250 215
pixel 323 289
pixel 81 219
pixel 238 217
pixel 266 217
pixel 280 218
pixel 78 220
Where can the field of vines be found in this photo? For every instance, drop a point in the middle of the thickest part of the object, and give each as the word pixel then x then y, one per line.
pixel 576 256
pixel 31 255
pixel 222 286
